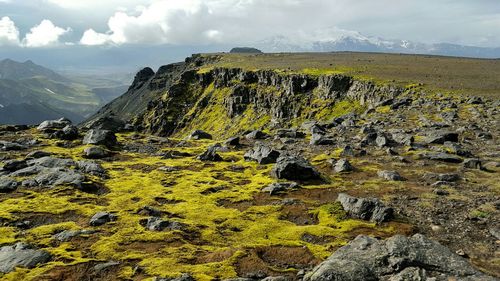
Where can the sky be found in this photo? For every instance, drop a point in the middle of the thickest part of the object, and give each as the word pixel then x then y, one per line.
pixel 57 23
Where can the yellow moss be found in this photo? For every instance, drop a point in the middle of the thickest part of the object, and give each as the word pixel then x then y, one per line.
pixel 7 235
pixel 383 109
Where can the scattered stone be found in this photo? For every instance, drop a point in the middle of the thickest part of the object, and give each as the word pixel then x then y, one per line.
pixel 14 165
pixel 347 151
pixel 183 277
pixel 91 167
pixel 447 177
pixel 95 152
pixel 440 137
pixel 100 137
pixel 295 168
pixel 158 224
pixel 21 255
pixel 381 140
pixel 371 209
pixel 7 185
pixel 403 138
pixel 397 258
pixel 174 154
pixel 256 135
pixel 37 154
pixel 199 134
pixel 262 154
pixel 343 166
pixel 101 218
pixel 69 132
pixel 53 124
pixel 51 162
pixel 290 133
pixel 67 235
pixel 234 141
pixel 390 175
pixel 103 266
pixel 473 163
pixel 150 211
pixel 391 152
pixel 319 139
pixel 50 177
pixel 278 187
pixel 439 156
pixel 11 146
pixel 210 155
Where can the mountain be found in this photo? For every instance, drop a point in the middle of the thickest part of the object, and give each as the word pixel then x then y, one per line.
pixel 30 93
pixel 331 40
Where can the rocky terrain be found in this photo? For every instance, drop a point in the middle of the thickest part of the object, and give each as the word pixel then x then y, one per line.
pixel 206 171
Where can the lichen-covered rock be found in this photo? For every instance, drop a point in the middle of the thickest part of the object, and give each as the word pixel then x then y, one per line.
pixel 91 167
pixel 473 163
pixel 21 255
pixel 263 154
pixel 101 218
pixel 440 156
pixel 14 165
pixel 199 134
pixel 295 168
pixel 210 155
pixel 51 162
pixel 67 235
pixel 95 152
pixel 50 177
pixel 343 166
pixel 441 136
pixel 370 209
pixel 256 135
pixel 397 258
pixel 390 175
pixel 158 224
pixel 320 139
pixel 278 187
pixel 7 184
pixel 53 124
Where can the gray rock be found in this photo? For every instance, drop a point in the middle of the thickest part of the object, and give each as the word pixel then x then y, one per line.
pixel 183 277
pixel 101 218
pixel 290 133
pixel 371 209
pixel 473 163
pixel 381 140
pixel 447 177
pixel 67 235
pixel 95 152
pixel 51 162
pixel 21 255
pixel 7 184
pixel 37 154
pixel 439 156
pixel 278 187
pixel 199 134
pixel 347 151
pixel 234 141
pixel 403 138
pixel 28 171
pixel 343 166
pixel 158 224
pixel 397 258
pixel 210 154
pixel 390 175
pixel 100 137
pixel 295 168
pixel 91 167
pixel 53 124
pixel 320 139
pixel 440 137
pixel 103 266
pixel 49 177
pixel 457 149
pixel 262 154
pixel 14 165
pixel 11 146
pixel 256 135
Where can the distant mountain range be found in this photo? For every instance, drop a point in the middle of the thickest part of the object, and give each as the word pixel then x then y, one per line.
pixel 335 39
pixel 30 93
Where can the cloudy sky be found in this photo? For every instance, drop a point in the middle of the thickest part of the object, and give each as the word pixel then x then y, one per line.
pixel 56 23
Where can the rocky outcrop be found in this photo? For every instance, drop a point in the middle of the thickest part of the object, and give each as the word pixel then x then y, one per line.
pixel 370 209
pixel 21 255
pixel 397 258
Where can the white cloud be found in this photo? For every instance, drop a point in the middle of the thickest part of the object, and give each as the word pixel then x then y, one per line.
pixel 9 34
pixel 43 35
pixel 92 38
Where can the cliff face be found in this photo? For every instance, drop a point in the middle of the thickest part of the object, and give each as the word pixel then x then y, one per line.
pixel 180 97
pixel 231 100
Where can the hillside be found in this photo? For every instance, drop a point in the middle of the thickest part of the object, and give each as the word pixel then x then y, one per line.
pixel 45 95
pixel 306 167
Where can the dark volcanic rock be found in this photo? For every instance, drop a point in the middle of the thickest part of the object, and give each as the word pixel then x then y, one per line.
pixel 256 135
pixel 278 187
pixel 295 168
pixel 262 154
pixel 7 184
pixel 158 224
pixel 11 146
pixel 473 163
pixel 397 258
pixel 91 167
pixel 441 136
pixel 319 139
pixel 199 134
pixel 95 152
pixel 67 235
pixel 14 165
pixel 234 141
pixel 390 175
pixel 245 50
pixel 210 154
pixel 439 156
pixel 100 137
pixel 110 123
pixel 371 209
pixel 49 177
pixel 37 154
pixel 21 255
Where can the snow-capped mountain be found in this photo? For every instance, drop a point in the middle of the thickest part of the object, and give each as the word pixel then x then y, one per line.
pixel 335 39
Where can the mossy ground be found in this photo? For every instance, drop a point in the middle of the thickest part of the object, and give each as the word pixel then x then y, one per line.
pixel 200 195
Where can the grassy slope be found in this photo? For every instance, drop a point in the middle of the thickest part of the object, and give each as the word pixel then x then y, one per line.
pixel 461 75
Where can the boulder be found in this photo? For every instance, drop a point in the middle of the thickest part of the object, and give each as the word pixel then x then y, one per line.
pixel 256 135
pixel 390 175
pixel 262 154
pixel 199 134
pixel 290 133
pixel 278 187
pixel 403 138
pixel 396 258
pixel 37 154
pixel 371 209
pixel 14 165
pixel 7 184
pixel 319 139
pixel 347 151
pixel 51 162
pixel 21 255
pixel 448 177
pixel 295 168
pixel 158 224
pixel 101 218
pixel 53 124
pixel 234 141
pixel 343 166
pixel 473 163
pixel 457 149
pixel 210 155
pixel 11 146
pixel 439 156
pixel 50 177
pixel 440 137
pixel 95 152
pixel 69 132
pixel 91 167
pixel 100 137
pixel 67 235
pixel 110 123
